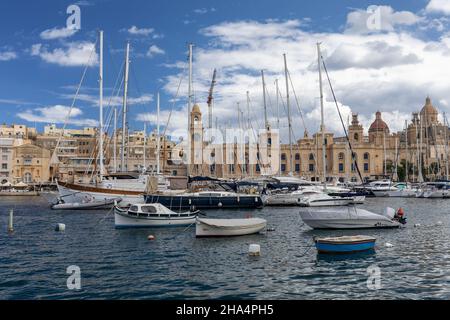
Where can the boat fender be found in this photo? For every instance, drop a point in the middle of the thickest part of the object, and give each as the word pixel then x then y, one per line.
pixel 60 227
pixel 256 199
pixel 151 237
pixel 190 201
pixel 254 250
pixel 220 204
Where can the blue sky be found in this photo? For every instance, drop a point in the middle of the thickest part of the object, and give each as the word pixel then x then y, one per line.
pixel 38 75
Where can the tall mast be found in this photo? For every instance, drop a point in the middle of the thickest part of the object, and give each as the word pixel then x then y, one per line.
pixel 446 147
pixel 101 107
pixel 384 152
pixel 407 153
pixel 420 178
pixel 249 128
pixel 322 124
pixel 144 148
pixel 124 112
pixel 115 139
pixel 158 139
pixel 266 122
pixel 289 114
pixel 278 122
pixel 396 160
pixel 189 108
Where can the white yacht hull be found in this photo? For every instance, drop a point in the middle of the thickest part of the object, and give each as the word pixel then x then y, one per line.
pixel 228 227
pixel 347 219
pixel 283 200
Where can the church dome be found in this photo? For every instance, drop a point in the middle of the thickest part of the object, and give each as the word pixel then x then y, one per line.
pixel 378 125
pixel 196 109
pixel 428 108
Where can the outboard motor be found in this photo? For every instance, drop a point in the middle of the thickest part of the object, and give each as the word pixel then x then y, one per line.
pixel 400 216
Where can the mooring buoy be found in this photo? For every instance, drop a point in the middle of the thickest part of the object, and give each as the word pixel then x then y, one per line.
pixel 254 250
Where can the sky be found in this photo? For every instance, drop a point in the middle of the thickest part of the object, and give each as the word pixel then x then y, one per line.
pixel 383 55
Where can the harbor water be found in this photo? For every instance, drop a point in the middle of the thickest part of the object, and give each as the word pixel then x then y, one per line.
pixel 124 264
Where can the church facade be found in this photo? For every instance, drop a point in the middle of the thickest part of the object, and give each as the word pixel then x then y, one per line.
pixel 379 153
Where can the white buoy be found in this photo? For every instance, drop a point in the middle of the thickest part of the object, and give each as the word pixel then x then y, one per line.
pixel 219 204
pixel 11 221
pixel 60 227
pixel 254 250
pixel 151 237
pixel 388 245
pixel 417 225
pixel 439 223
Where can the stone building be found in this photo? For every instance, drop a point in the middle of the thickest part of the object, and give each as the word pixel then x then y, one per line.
pixel 31 164
pixel 376 154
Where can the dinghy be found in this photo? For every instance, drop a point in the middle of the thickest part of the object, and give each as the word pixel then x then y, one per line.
pixel 352 218
pixel 92 204
pixel 228 227
pixel 151 215
pixel 345 244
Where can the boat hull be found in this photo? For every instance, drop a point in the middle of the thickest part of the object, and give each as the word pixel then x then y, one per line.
pixel 123 220
pixel 347 219
pixel 180 202
pixel 343 247
pixel 81 194
pixel 204 229
pixel 327 203
pixel 283 200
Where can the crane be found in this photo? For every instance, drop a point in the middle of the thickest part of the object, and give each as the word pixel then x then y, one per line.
pixel 210 99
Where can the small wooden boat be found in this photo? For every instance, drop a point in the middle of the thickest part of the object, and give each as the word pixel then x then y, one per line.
pixel 228 227
pixel 93 204
pixel 151 215
pixel 346 244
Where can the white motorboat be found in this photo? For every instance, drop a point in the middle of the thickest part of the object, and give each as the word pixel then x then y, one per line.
pixel 228 227
pixel 435 190
pixel 151 215
pixel 324 200
pixel 382 188
pixel 352 218
pixel 93 204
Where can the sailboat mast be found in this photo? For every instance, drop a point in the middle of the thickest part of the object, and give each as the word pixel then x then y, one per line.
pixel 266 123
pixel 189 107
pixel 158 139
pixel 278 120
pixel 322 124
pixel 124 111
pixel 407 153
pixel 384 152
pixel 101 107
pixel 420 178
pixel 289 114
pixel 145 147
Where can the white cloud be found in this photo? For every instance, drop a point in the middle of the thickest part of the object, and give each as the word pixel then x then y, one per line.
pixel 140 31
pixel 56 114
pixel 439 6
pixel 57 33
pixel 113 101
pixel 71 55
pixel 379 18
pixel 154 50
pixel 8 55
pixel 387 71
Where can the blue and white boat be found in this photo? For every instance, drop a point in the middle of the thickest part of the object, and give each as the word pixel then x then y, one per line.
pixel 346 244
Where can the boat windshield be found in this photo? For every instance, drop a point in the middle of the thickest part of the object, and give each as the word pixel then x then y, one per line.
pixel 148 209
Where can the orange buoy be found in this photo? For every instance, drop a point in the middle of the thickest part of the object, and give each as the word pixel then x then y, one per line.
pixel 400 212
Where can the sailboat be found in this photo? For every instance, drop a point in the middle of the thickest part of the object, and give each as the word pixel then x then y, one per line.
pixel 107 188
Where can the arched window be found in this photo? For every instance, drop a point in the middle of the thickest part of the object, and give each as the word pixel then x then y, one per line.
pixel 311 156
pixel 27 178
pixel 356 136
pixel 297 156
pixel 283 156
pixel 341 156
pixel 366 156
